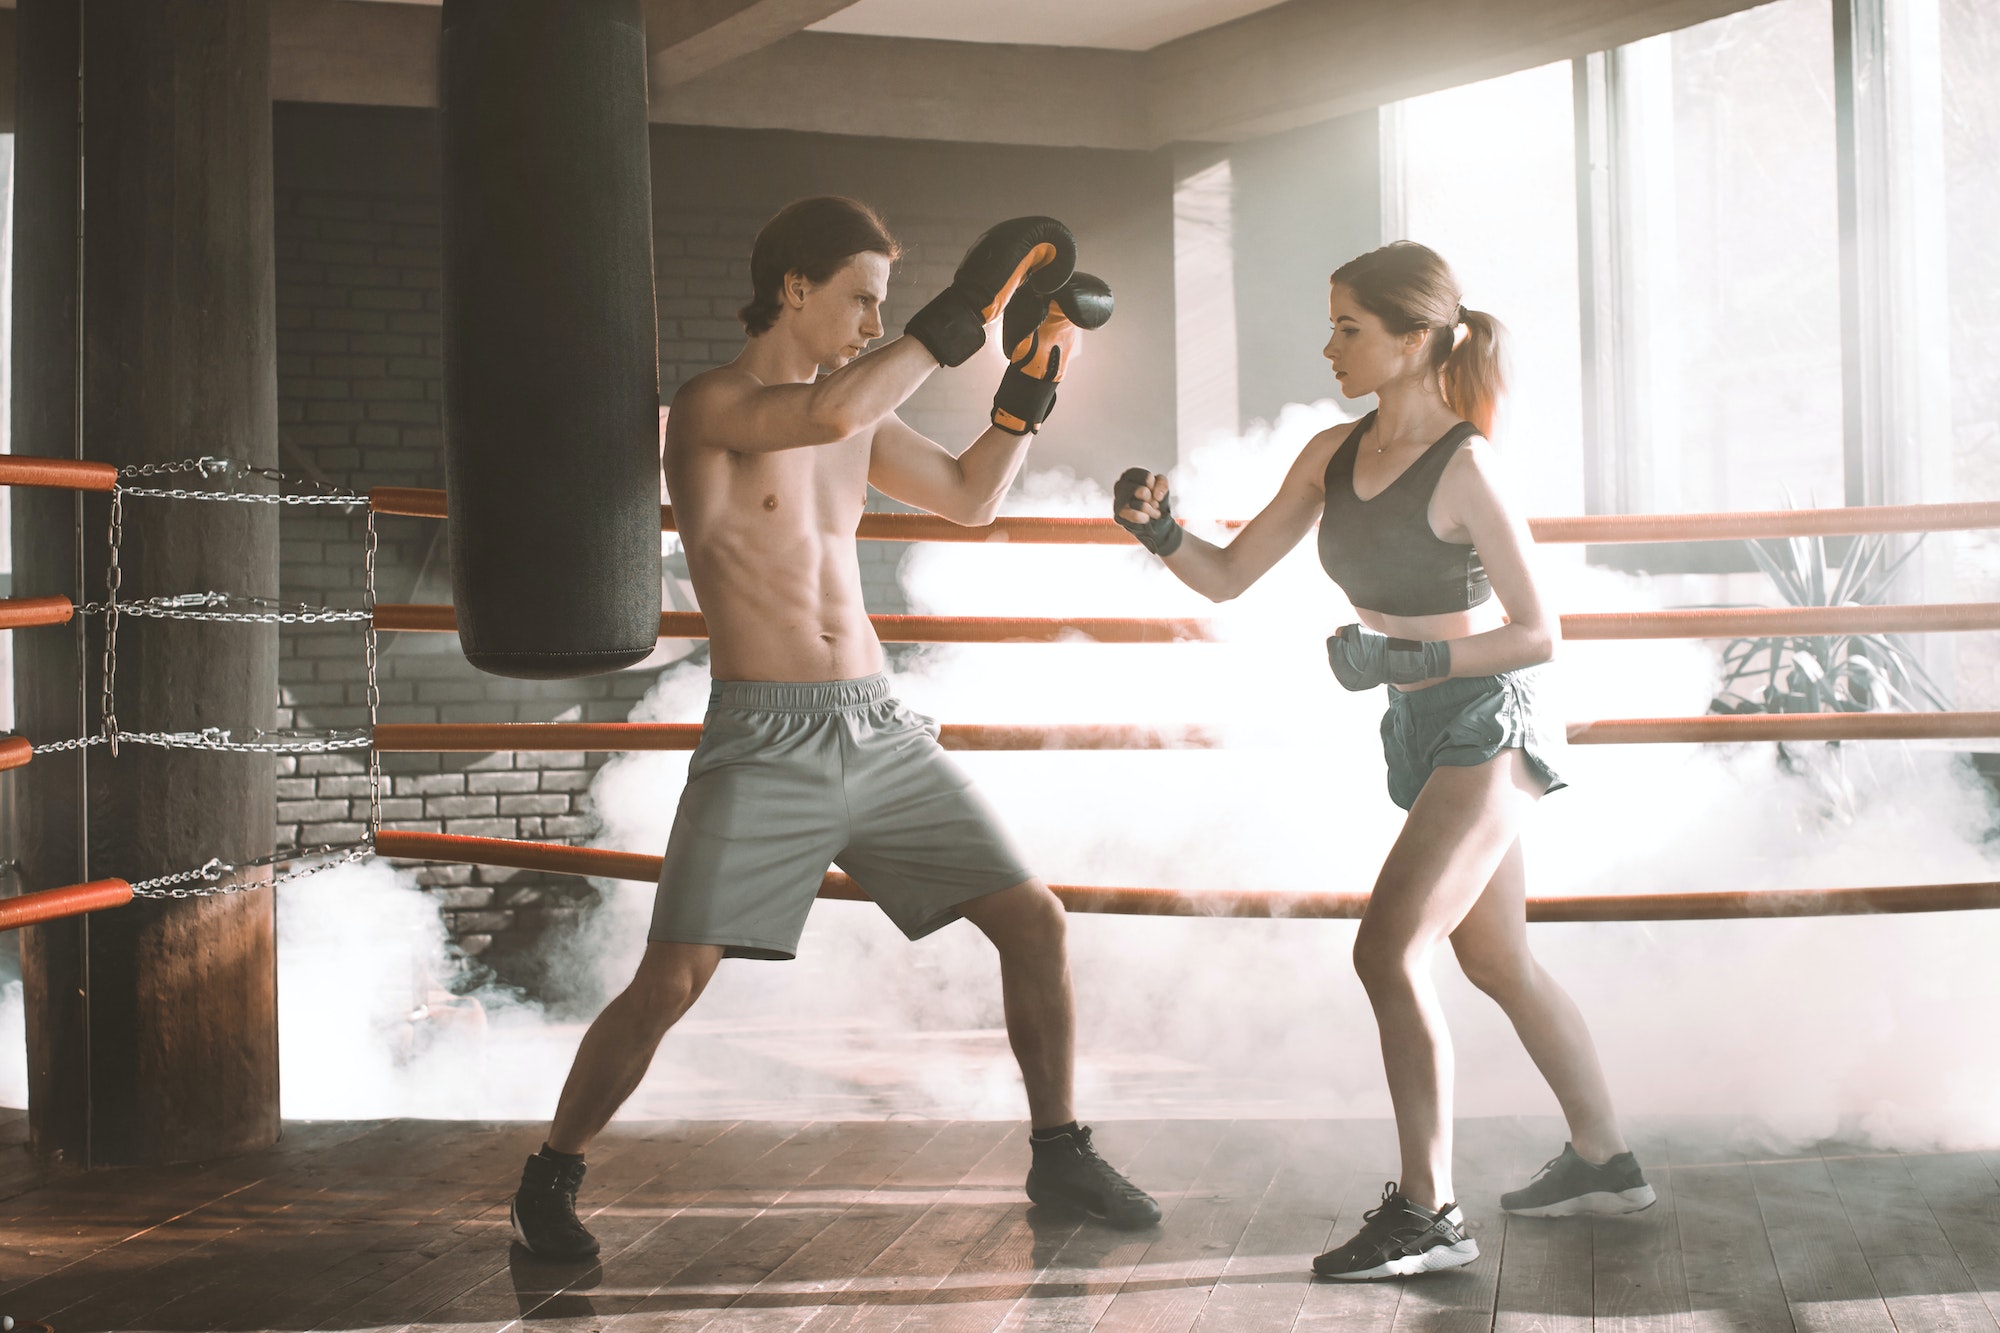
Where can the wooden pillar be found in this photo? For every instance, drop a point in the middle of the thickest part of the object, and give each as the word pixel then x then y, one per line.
pixel 178 1058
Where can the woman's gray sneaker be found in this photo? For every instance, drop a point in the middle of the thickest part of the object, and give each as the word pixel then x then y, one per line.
pixel 544 1210
pixel 1568 1186
pixel 1399 1239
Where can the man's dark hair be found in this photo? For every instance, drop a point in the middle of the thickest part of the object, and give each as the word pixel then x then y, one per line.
pixel 812 238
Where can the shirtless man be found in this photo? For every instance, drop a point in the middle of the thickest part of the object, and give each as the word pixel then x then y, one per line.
pixel 805 758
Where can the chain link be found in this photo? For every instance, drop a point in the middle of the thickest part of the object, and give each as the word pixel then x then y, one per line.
pixel 227 608
pixel 229 469
pixel 370 648
pixel 219 739
pixel 114 577
pixel 214 876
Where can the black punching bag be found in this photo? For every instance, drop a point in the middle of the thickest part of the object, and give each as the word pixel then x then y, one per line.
pixel 551 361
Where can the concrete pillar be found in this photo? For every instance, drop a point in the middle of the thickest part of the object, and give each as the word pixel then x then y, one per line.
pixel 179 1060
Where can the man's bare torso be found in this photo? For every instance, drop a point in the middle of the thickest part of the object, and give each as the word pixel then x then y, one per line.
pixel 771 550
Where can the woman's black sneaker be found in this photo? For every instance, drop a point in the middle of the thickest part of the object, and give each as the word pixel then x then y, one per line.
pixel 1397 1239
pixel 1568 1186
pixel 1068 1174
pixel 544 1210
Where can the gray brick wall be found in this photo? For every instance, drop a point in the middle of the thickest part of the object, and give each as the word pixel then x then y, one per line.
pixel 360 350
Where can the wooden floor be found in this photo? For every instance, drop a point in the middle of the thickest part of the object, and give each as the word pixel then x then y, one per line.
pixel 920 1226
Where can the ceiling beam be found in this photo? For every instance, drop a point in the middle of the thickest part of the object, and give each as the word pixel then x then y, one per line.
pixel 345 51
pixel 1311 60
pixel 906 88
pixel 687 38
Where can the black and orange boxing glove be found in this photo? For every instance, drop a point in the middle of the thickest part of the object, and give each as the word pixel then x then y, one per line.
pixel 1036 252
pixel 1041 334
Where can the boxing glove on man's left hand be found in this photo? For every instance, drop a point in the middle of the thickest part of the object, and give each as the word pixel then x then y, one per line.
pixel 1363 659
pixel 1036 252
pixel 1041 335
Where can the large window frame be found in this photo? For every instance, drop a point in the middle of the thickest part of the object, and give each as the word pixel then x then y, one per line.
pixel 1895 372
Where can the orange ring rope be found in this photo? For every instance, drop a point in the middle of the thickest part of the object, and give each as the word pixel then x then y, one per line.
pixel 1846 521
pixel 28 612
pixel 71 474
pixel 426 618
pixel 1703 623
pixel 1711 728
pixel 526 737
pixel 1728 728
pixel 15 751
pixel 30 909
pixel 1704 906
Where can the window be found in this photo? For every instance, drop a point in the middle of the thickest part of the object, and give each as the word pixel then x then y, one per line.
pixel 1485 175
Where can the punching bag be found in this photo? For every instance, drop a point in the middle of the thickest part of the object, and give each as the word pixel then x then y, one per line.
pixel 551 362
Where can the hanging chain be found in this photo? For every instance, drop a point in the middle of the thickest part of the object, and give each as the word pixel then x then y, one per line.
pixel 216 876
pixel 218 738
pixel 370 649
pixel 113 578
pixel 229 469
pixel 228 608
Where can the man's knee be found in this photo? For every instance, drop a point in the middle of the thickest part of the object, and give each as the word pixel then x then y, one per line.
pixel 671 977
pixel 1026 919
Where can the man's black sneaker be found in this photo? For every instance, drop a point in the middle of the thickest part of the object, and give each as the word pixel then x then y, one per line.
pixel 544 1210
pixel 1397 1238
pixel 1568 1186
pixel 1068 1174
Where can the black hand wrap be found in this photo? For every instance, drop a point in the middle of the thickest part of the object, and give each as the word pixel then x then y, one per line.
pixel 1041 334
pixel 1161 536
pixel 1034 252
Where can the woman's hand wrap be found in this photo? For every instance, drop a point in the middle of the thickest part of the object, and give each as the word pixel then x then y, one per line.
pixel 1363 659
pixel 1161 536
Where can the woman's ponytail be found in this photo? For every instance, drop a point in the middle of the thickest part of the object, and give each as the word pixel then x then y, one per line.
pixel 1474 374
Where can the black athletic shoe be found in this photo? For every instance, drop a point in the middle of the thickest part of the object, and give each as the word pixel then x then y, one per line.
pixel 1397 1238
pixel 544 1210
pixel 1568 1186
pixel 1068 1174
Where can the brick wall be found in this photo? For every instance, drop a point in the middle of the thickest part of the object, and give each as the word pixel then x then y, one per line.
pixel 359 285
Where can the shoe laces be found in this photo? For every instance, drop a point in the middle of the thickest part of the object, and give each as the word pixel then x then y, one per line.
pixel 1378 1221
pixel 563 1178
pixel 1087 1153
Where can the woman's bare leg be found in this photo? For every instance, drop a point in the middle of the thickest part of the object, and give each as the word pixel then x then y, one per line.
pixel 1492 946
pixel 1457 834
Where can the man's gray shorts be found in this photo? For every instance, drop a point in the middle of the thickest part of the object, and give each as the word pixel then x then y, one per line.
pixel 790 778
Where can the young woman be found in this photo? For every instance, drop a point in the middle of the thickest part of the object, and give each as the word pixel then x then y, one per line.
pixel 1414 527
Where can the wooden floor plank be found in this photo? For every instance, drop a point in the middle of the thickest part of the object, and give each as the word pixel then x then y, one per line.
pixel 1173 1282
pixel 523 1285
pixel 1964 1197
pixel 963 1208
pixel 1732 1277
pixel 1913 1265
pixel 1039 1267
pixel 772 1228
pixel 1639 1281
pixel 1266 1280
pixel 1826 1278
pixel 107 1234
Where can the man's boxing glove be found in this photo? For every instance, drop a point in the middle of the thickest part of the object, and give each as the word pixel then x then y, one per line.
pixel 1363 659
pixel 1040 335
pixel 1039 252
pixel 1161 536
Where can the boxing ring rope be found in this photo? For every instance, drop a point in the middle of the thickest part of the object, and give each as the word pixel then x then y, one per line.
pixel 1698 623
pixel 1718 905
pixel 215 877
pixel 1607 529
